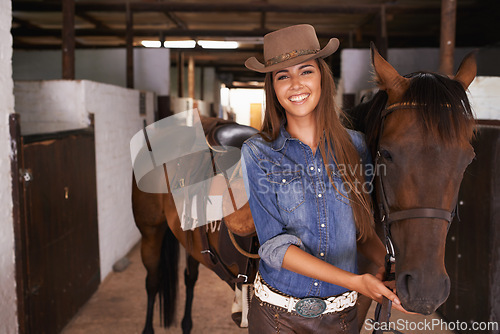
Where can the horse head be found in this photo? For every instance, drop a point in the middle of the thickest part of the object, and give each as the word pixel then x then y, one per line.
pixel 422 140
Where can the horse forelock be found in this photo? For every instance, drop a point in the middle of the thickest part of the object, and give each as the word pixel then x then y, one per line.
pixel 444 107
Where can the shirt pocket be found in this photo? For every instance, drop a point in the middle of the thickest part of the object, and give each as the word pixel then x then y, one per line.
pixel 342 191
pixel 289 189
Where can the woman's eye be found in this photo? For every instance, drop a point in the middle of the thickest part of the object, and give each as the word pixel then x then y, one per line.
pixel 281 77
pixel 306 72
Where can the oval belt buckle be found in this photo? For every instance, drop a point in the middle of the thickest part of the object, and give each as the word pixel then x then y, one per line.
pixel 310 307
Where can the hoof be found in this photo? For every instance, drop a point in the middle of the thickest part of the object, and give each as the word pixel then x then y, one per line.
pixel 236 318
pixel 148 331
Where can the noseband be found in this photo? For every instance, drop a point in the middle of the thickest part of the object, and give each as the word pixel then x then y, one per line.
pixel 388 217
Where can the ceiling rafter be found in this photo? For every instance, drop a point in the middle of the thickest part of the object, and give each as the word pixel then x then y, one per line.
pixel 23 31
pixel 24 23
pixel 176 20
pixel 89 18
pixel 38 6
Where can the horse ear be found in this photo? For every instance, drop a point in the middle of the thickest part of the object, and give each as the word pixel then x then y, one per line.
pixel 467 70
pixel 387 77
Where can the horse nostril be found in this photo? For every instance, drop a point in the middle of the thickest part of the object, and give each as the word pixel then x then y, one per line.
pixel 403 285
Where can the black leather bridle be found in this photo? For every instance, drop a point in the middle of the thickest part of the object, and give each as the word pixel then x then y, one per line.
pixel 388 217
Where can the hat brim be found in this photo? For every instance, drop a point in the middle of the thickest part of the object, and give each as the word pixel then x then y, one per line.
pixel 253 64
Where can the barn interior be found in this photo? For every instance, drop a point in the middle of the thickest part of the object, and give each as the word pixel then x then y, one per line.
pixel 80 78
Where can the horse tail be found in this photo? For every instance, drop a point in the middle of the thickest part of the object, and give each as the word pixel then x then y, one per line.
pixel 169 261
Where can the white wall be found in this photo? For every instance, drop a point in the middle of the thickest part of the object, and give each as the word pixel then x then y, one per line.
pixel 50 106
pixel 484 95
pixel 117 119
pixel 151 67
pixel 8 304
pixel 357 72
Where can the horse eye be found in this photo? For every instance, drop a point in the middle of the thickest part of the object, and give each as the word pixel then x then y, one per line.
pixel 386 155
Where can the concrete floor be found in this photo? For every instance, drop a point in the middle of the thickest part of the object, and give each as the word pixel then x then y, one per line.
pixel 119 306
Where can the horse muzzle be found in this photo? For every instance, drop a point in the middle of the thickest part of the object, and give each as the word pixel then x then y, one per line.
pixel 422 292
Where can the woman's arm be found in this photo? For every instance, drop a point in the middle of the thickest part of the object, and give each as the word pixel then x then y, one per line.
pixel 303 263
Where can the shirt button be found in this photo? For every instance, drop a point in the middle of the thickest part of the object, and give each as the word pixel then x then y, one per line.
pixel 319 195
pixel 311 168
pixel 315 283
pixel 319 170
pixel 322 225
pixel 284 180
pixel 321 254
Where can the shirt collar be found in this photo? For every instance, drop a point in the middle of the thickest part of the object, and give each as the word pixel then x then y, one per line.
pixel 283 136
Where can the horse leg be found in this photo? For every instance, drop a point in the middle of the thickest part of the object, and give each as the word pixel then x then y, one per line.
pixel 151 254
pixel 160 253
pixel 190 278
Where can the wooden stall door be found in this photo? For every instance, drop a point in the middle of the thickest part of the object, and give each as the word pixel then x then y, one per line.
pixel 60 244
pixel 473 243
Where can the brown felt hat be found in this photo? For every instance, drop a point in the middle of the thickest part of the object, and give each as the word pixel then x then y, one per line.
pixel 291 46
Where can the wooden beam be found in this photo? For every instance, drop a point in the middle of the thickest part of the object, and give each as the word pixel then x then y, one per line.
pixel 26 32
pixel 68 40
pixel 263 20
pixel 447 43
pixel 97 23
pixel 202 82
pixel 191 77
pixel 24 23
pixel 221 7
pixel 176 20
pixel 180 74
pixel 130 47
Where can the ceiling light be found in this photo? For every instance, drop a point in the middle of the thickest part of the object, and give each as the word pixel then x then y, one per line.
pixel 248 40
pixel 218 44
pixel 187 44
pixel 151 44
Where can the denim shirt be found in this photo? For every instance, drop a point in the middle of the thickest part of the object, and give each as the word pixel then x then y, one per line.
pixel 293 203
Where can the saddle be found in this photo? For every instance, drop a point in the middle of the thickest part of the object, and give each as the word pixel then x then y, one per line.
pixel 222 135
pixel 237 218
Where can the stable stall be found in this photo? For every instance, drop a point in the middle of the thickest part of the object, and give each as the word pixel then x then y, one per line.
pixel 74 191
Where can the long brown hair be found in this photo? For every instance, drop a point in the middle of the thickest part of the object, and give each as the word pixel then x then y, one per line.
pixel 339 147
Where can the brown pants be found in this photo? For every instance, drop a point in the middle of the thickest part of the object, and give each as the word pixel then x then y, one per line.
pixel 266 319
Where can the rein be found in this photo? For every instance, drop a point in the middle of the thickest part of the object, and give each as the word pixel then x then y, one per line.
pixel 388 217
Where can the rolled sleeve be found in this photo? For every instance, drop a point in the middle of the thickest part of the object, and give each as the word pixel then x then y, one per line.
pixel 271 231
pixel 274 249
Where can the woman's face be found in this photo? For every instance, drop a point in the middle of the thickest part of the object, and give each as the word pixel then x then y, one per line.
pixel 298 88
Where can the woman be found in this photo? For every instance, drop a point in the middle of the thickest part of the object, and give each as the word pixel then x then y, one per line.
pixel 308 196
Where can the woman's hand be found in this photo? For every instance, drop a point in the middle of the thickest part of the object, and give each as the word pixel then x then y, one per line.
pixel 303 263
pixel 375 289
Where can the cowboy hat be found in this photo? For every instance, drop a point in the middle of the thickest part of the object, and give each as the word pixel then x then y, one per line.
pixel 291 46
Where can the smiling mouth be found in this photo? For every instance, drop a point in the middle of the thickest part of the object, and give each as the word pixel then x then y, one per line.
pixel 298 98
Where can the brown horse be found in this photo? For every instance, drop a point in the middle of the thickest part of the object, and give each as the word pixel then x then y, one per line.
pixel 158 221
pixel 419 129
